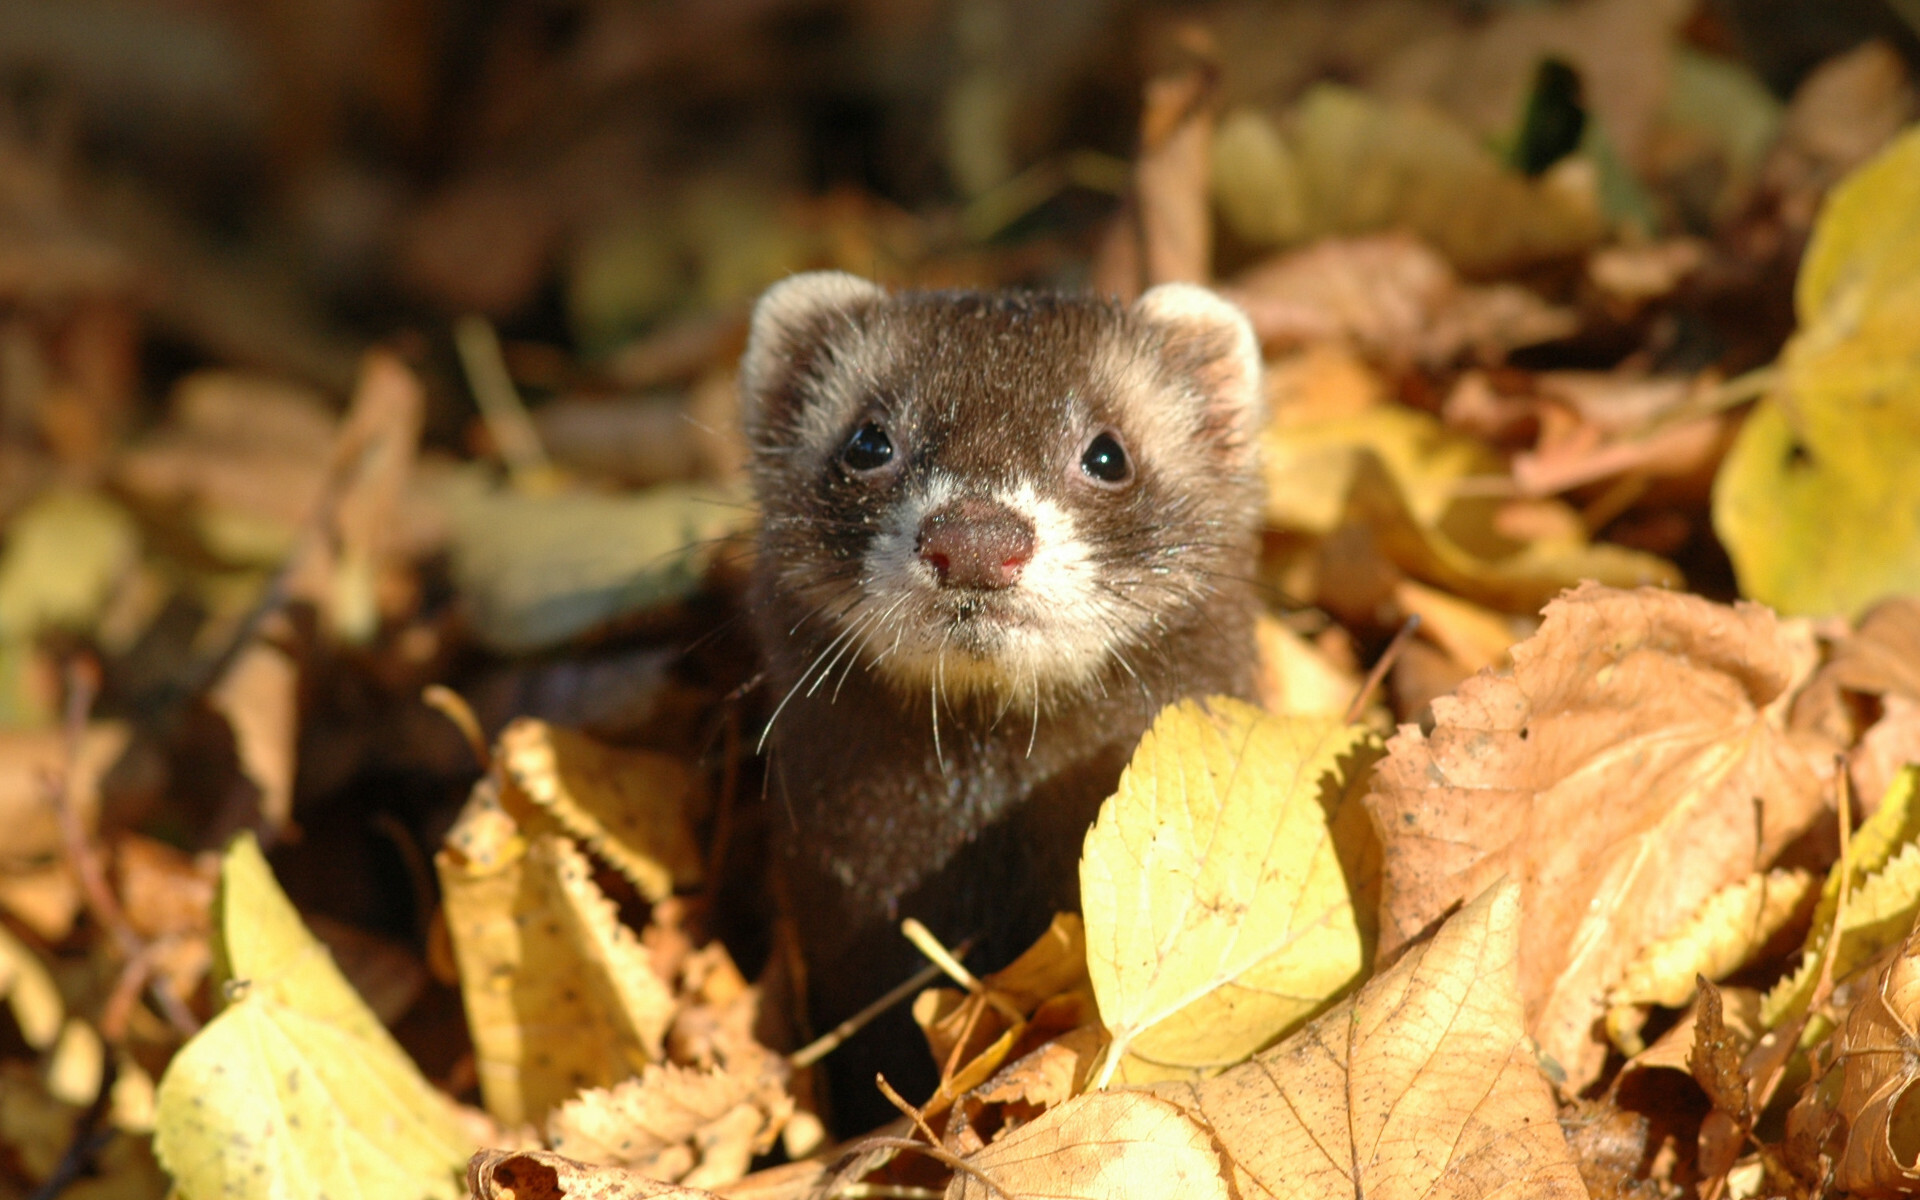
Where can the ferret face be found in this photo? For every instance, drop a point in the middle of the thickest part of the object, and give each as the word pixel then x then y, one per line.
pixel 1011 495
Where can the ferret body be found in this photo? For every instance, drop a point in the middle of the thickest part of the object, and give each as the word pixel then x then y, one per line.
pixel 999 532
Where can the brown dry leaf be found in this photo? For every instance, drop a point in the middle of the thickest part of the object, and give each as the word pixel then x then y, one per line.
pixel 373 455
pixel 244 456
pixel 1841 114
pixel 1046 1076
pixel 1422 1084
pixel 1882 657
pixel 700 1119
pixel 538 1175
pixel 1394 298
pixel 1877 1075
pixel 1104 1146
pixel 1888 746
pixel 559 995
pixel 1170 177
pixel 168 900
pixel 1634 761
pixel 36 885
pixel 1622 50
pixel 631 806
pixel 1739 1013
pixel 1602 424
pixel 698 1127
pixel 259 695
pixel 1717 1062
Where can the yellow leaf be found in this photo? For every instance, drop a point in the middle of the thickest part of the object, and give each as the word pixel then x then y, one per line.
pixel 1294 677
pixel 1817 502
pixel 296 1089
pixel 630 806
pixel 1408 482
pixel 1716 941
pixel 1217 883
pixel 1882 869
pixel 1342 161
pixel 64 552
pixel 30 992
pixel 559 995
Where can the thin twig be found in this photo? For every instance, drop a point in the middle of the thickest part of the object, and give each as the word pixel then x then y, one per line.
pixel 83 684
pixel 830 1041
pixel 454 707
pixel 499 401
pixel 1387 658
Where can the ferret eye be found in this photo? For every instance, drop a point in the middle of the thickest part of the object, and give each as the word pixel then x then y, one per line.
pixel 1106 461
pixel 868 449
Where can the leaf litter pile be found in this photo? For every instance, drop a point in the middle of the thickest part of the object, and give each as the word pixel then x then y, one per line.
pixel 377 729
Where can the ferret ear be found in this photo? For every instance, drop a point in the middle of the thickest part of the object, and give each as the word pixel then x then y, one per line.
pixel 1210 341
pixel 790 321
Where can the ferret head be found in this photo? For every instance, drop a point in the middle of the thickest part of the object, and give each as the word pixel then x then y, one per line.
pixel 1020 495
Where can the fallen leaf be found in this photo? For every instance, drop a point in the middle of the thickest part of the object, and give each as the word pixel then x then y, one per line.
pixel 1734 924
pixel 259 696
pixel 1845 110
pixel 1824 453
pixel 1421 1084
pixel 1875 1059
pixel 295 1081
pixel 972 1033
pixel 1104 1146
pixel 632 807
pixel 1170 176
pixel 30 992
pixel 1345 162
pixel 559 995
pixel 1295 677
pixel 1882 655
pixel 1633 762
pixel 1880 873
pixel 539 1175
pixel 698 1127
pixel 36 883
pixel 534 571
pixel 64 553
pixel 1224 885
pixel 1394 298
pixel 1047 1076
pixel 1472 636
pixel 242 456
pixel 1400 479
pixel 373 455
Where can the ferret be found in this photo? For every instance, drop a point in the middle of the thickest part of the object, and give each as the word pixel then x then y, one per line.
pixel 999 532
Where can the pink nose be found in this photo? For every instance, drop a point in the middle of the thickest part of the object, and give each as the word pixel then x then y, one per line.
pixel 974 543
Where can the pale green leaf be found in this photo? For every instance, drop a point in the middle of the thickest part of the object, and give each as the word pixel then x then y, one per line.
pixel 295 1089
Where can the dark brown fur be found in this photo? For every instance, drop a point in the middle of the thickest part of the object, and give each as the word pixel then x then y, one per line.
pixel 966 807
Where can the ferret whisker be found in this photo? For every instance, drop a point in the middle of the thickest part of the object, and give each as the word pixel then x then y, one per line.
pixel 797 685
pixel 846 642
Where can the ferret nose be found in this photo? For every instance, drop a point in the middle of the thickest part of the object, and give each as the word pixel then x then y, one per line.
pixel 975 543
